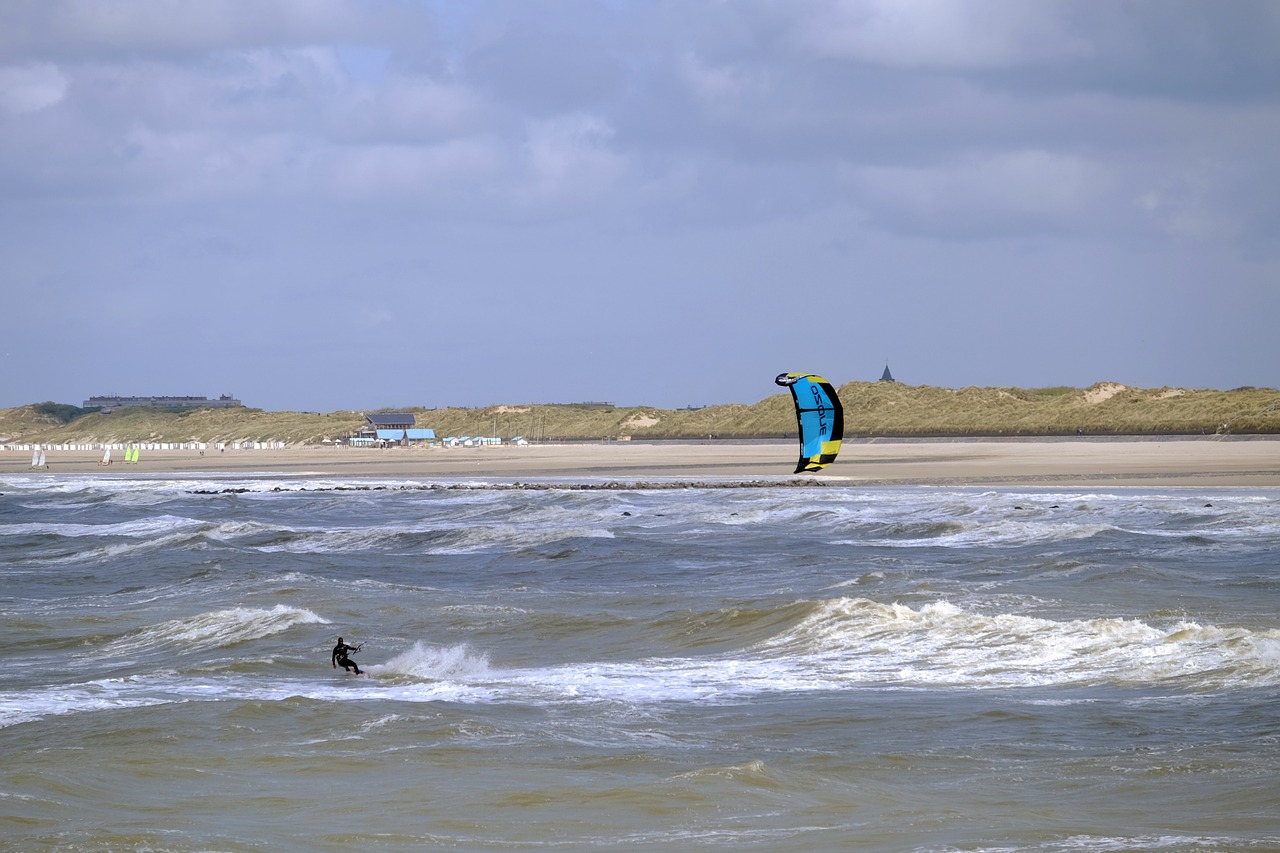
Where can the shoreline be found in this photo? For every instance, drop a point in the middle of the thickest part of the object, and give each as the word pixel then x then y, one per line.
pixel 1243 462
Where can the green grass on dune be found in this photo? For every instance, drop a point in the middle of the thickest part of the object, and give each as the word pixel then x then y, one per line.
pixel 870 408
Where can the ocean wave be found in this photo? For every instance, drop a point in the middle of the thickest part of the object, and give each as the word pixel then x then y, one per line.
pixel 437 663
pixel 1101 843
pixel 215 629
pixel 507 537
pixel 728 627
pixel 421 539
pixel 118 550
pixel 854 643
pixel 135 529
pixel 31 705
pixel 335 541
pixel 941 644
pixel 752 773
pixel 934 647
pixel 967 532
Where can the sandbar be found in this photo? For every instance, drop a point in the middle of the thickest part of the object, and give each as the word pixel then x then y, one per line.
pixel 1241 462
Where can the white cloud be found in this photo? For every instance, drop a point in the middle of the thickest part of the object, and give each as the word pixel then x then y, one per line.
pixel 568 160
pixel 990 193
pixel 937 33
pixel 31 87
pixel 1190 204
pixel 713 84
pixel 180 25
pixel 412 107
pixel 721 149
pixel 444 176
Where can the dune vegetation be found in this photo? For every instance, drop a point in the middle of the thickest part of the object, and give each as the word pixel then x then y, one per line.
pixel 872 409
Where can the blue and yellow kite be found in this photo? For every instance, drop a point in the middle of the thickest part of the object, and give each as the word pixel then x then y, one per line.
pixel 820 417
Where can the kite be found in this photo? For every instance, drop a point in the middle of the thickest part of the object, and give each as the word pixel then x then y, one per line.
pixel 820 418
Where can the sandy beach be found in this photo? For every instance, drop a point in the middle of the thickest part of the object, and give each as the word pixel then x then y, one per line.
pixel 1239 462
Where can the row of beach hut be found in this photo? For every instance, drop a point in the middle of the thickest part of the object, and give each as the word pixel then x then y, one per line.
pixel 147 445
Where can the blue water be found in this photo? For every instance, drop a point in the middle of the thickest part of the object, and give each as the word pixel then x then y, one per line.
pixel 789 669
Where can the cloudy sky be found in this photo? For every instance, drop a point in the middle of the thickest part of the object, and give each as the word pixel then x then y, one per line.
pixel 347 204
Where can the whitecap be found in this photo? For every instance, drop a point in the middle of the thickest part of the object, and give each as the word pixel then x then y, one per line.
pixel 215 629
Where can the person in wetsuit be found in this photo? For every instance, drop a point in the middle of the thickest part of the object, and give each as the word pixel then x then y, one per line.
pixel 340 656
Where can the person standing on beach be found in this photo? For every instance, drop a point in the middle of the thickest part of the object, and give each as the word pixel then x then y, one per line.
pixel 341 657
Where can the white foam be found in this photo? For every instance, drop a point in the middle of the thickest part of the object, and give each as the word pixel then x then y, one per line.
pixel 941 644
pixel 1128 844
pixel 851 643
pixel 216 629
pixel 30 705
pixel 437 663
pixel 139 529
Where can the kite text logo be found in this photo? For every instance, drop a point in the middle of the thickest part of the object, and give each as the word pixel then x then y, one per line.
pixel 823 428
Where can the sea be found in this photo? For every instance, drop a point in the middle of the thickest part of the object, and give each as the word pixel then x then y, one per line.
pixel 670 667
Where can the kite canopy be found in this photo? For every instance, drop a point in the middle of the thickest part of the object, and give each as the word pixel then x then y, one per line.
pixel 820 417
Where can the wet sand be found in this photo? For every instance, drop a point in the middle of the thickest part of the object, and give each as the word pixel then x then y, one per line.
pixel 1208 461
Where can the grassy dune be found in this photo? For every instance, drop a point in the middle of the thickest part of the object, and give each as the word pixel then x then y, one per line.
pixel 871 409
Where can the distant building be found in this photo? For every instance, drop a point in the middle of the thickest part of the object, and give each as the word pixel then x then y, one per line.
pixel 393 420
pixel 391 428
pixel 887 376
pixel 109 404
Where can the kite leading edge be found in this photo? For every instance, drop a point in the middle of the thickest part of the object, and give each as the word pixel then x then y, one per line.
pixel 820 417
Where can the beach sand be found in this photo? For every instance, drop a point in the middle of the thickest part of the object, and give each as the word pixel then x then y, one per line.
pixel 1201 461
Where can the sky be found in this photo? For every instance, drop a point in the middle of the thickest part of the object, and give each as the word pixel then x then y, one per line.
pixel 323 205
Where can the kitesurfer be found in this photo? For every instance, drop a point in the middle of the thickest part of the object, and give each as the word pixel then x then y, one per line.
pixel 340 656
